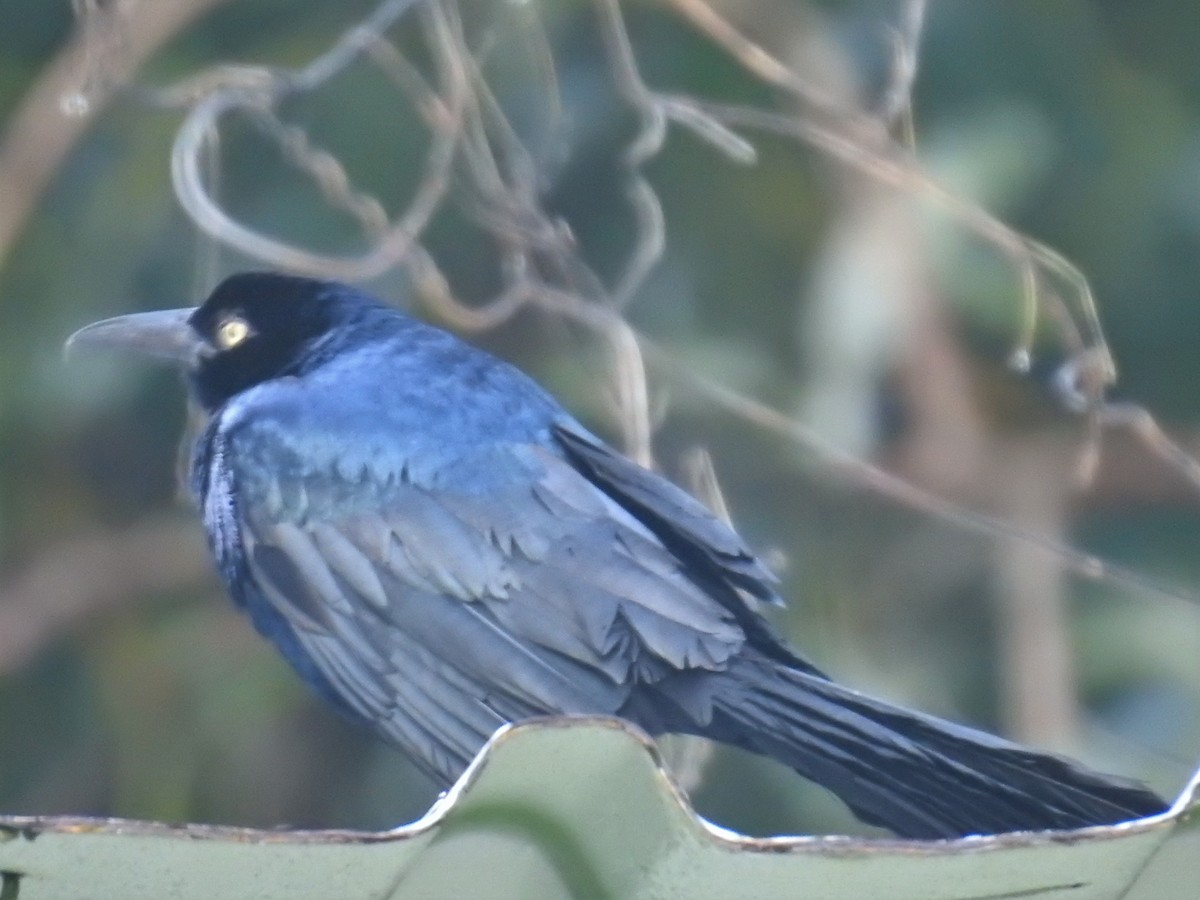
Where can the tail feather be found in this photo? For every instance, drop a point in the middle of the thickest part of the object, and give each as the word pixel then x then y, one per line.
pixel 914 774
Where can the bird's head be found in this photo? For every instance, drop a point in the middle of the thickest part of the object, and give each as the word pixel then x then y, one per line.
pixel 255 326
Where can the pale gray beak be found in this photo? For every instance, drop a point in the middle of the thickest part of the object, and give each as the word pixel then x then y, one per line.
pixel 163 334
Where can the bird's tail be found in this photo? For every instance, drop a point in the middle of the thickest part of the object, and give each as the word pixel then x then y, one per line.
pixel 919 776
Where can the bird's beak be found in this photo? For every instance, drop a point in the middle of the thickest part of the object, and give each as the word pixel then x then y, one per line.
pixel 163 334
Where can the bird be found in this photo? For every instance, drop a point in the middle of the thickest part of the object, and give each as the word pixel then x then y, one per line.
pixel 439 549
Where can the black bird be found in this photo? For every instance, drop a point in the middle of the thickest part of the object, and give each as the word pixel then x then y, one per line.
pixel 438 548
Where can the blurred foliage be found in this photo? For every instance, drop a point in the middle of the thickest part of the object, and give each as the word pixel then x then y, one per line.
pixel 1078 122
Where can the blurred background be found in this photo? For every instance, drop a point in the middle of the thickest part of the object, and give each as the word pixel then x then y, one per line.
pixel 832 261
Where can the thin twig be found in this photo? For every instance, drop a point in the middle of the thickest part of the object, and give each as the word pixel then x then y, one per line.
pixel 66 98
pixel 71 583
pixel 860 472
pixel 258 97
pixel 897 100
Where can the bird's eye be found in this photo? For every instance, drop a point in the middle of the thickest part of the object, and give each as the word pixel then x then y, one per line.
pixel 232 331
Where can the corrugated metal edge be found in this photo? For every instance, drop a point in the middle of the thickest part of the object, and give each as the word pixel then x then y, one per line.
pixel 30 827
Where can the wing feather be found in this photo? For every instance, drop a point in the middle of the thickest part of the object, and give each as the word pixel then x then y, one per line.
pixel 350 564
pixel 438 604
pixel 679 517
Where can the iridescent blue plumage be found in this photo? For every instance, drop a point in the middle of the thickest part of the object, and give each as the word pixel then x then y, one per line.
pixel 439 548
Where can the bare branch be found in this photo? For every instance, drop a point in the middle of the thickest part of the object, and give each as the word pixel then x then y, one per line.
pixel 60 106
pixel 78 580
pixel 897 101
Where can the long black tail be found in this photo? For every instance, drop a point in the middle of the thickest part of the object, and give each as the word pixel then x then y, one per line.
pixel 919 776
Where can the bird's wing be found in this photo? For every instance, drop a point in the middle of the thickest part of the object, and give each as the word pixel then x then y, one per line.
pixel 678 519
pixel 710 550
pixel 440 602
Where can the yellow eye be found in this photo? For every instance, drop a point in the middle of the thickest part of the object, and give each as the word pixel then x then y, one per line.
pixel 232 331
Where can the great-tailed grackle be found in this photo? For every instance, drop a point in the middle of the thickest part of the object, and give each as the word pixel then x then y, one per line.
pixel 438 548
